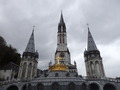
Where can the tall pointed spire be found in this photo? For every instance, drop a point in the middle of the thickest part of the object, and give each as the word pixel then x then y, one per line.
pixel 61 25
pixel 31 46
pixel 61 19
pixel 91 44
pixel 30 49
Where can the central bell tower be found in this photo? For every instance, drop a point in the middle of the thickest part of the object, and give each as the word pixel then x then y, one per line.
pixel 62 49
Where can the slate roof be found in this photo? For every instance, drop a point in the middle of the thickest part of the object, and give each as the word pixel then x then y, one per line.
pixel 31 46
pixel 91 44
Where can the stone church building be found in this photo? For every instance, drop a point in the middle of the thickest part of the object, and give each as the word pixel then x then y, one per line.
pixel 61 75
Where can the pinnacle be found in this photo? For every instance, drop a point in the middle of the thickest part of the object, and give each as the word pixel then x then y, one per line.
pixel 61 19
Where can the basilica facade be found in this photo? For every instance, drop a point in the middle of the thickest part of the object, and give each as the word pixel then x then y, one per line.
pixel 61 75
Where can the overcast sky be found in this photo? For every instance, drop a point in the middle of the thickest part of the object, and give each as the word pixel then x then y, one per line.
pixel 17 18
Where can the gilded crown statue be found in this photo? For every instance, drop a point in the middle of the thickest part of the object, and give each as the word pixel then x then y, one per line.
pixel 58 66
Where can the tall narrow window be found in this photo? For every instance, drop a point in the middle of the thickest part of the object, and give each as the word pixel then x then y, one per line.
pixel 24 70
pixel 63 38
pixel 60 38
pixel 97 67
pixel 29 70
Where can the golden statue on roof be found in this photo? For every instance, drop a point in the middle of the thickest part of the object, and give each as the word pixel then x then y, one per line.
pixel 58 66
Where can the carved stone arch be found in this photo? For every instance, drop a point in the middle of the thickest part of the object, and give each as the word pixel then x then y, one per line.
pixel 96 62
pixel 12 87
pixel 71 86
pixel 30 63
pixel 40 86
pixel 91 62
pixel 109 86
pixel 55 86
pixel 84 86
pixel 94 86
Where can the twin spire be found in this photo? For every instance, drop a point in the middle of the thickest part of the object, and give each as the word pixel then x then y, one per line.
pixel 91 44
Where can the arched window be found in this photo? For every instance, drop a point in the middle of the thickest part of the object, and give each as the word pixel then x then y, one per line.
pixel 109 87
pixel 71 86
pixel 24 70
pixel 56 74
pixel 97 67
pixel 67 74
pixel 12 87
pixel 55 86
pixel 29 70
pixel 40 86
pixel 92 67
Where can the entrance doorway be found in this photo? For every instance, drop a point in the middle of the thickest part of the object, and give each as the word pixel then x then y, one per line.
pixel 93 86
pixel 12 87
pixel 109 87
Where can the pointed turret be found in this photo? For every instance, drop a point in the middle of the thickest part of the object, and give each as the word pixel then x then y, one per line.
pixel 93 59
pixel 28 64
pixel 30 49
pixel 31 46
pixel 91 44
pixel 61 25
